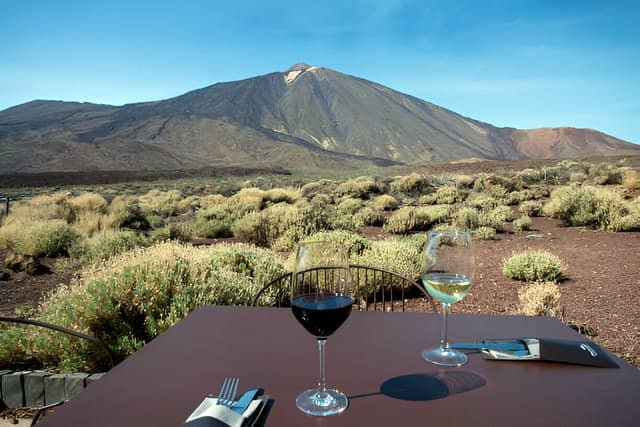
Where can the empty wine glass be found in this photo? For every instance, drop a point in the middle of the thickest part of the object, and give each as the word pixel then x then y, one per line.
pixel 321 300
pixel 447 274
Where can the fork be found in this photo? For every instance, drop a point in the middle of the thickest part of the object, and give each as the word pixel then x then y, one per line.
pixel 228 391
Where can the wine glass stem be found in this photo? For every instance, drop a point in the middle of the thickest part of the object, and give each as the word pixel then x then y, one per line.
pixel 321 382
pixel 444 343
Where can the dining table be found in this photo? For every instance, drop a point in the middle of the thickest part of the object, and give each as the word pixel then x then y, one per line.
pixel 374 358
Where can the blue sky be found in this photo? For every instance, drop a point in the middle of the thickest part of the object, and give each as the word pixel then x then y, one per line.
pixel 513 63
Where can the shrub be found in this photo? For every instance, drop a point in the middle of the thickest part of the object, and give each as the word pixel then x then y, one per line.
pixel 247 199
pixel 484 233
pixel 497 217
pixel 412 183
pixel 522 224
pixel 139 294
pixel 323 186
pixel 47 238
pixel 385 202
pixel 278 195
pixel 392 254
pixel 534 266
pixel 89 202
pixel 539 299
pixel 448 195
pixel 367 217
pixel 531 208
pixel 88 222
pixel 208 229
pixel 482 201
pixel 605 174
pixel 578 177
pixel 42 208
pixel 467 218
pixel 588 206
pixel 464 181
pixel 125 212
pixel 155 220
pixel 171 232
pixel 354 243
pixel 110 243
pixel 349 205
pixel 163 203
pixel 281 226
pixel 407 219
pixel 359 187
pixel 631 180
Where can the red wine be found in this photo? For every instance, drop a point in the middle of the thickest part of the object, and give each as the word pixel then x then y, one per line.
pixel 321 314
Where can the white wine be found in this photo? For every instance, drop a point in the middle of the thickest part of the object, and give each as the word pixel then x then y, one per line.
pixel 447 288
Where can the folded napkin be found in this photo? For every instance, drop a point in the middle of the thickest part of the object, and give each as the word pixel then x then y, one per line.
pixel 210 414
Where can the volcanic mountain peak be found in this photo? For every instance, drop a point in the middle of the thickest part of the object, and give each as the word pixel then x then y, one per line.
pixel 296 70
pixel 300 66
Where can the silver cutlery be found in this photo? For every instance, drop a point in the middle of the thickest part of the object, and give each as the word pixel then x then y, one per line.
pixel 228 391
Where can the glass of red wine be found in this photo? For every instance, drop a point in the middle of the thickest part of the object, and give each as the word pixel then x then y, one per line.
pixel 321 300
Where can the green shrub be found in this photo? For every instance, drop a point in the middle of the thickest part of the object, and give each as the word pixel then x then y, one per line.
pixel 448 195
pixel 110 243
pixel 163 203
pixel 531 208
pixel 281 226
pixel 578 177
pixel 481 201
pixel 467 218
pixel 408 219
pixel 360 187
pixel 497 217
pixel 484 233
pixel 385 202
pixel 279 195
pixel 155 220
pixel 349 205
pixel 47 238
pixel 125 212
pixel 139 294
pixel 396 255
pixel 171 232
pixel 539 299
pixel 464 181
pixel 367 217
pixel 534 266
pixel 209 229
pixel 247 200
pixel 323 186
pixel 587 206
pixel 412 183
pixel 354 243
pixel 522 224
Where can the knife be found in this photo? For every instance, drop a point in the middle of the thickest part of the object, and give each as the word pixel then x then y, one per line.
pixel 246 399
pixel 500 346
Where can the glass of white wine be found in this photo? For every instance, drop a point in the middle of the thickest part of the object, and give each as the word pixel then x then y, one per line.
pixel 447 274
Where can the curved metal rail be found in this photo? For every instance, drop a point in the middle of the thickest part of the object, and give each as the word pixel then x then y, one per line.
pixel 361 273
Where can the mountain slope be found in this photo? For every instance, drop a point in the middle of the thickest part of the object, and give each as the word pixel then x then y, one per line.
pixel 303 118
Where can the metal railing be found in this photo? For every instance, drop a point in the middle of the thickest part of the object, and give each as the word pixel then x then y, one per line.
pixel 373 288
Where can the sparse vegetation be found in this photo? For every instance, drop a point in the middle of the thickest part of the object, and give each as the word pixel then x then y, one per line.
pixel 539 299
pixel 534 266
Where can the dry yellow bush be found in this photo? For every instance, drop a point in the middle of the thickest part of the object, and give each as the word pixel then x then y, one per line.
pixel 385 202
pixel 278 195
pixel 88 223
pixel 89 202
pixel 631 180
pixel 248 199
pixel 164 203
pixel 539 299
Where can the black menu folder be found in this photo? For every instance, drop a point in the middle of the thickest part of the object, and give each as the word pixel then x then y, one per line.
pixel 580 352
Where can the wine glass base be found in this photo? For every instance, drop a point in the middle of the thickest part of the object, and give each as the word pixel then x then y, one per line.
pixel 320 404
pixel 446 357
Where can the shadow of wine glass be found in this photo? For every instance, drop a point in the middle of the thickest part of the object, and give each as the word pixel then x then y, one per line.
pixel 423 387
